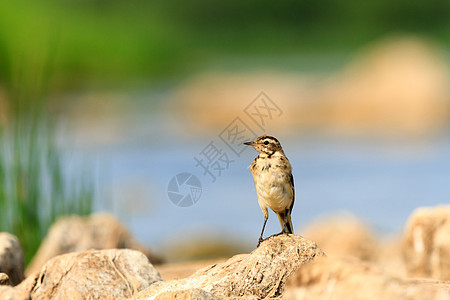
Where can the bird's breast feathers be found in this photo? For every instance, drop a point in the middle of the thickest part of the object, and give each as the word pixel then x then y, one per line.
pixel 272 182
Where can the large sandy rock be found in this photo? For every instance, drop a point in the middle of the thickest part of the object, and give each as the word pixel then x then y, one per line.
pixel 426 249
pixel 11 258
pixel 262 273
pixel 343 235
pixel 95 274
pixel 75 233
pixel 353 279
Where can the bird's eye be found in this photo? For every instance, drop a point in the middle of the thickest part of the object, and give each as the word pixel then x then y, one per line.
pixel 266 143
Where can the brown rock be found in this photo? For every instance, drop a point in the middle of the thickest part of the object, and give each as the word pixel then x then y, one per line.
pixel 11 258
pixel 390 257
pixel 426 250
pixel 192 294
pixel 75 233
pixel 95 274
pixel 343 235
pixel 12 293
pixel 440 256
pixel 262 273
pixel 353 279
pixel 19 292
pixel 396 86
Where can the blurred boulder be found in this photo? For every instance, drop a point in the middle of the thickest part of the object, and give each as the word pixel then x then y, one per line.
pixel 351 278
pixel 395 86
pixel 343 235
pixel 390 258
pixel 75 233
pixel 426 250
pixel 95 274
pixel 261 274
pixel 11 258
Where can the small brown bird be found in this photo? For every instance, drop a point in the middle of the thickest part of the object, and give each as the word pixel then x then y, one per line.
pixel 274 182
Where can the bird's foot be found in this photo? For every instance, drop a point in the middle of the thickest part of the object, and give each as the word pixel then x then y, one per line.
pixel 260 241
pixel 273 235
pixel 277 234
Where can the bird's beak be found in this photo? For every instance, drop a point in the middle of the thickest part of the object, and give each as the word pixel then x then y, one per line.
pixel 248 143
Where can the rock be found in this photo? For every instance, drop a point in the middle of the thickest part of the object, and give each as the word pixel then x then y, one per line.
pixel 350 278
pixel 194 294
pixel 19 292
pixel 397 86
pixel 426 249
pixel 75 233
pixel 4 279
pixel 343 235
pixel 12 293
pixel 95 274
pixel 440 256
pixel 11 258
pixel 390 257
pixel 262 273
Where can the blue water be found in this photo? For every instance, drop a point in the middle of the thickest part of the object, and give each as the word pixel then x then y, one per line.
pixel 380 181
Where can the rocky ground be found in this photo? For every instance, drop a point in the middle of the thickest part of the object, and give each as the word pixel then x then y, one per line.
pixel 338 258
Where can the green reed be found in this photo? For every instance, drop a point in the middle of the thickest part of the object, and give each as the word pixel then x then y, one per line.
pixel 36 186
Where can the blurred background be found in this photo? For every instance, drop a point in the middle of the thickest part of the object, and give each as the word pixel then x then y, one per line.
pixel 103 102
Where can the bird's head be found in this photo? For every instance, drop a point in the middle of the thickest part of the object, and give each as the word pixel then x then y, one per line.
pixel 266 145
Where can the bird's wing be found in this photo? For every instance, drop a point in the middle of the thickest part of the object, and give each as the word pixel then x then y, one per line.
pixel 293 192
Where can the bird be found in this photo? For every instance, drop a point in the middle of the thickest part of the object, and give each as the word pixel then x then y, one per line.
pixel 274 183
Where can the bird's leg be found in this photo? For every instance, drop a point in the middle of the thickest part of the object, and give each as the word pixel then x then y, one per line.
pixel 262 231
pixel 285 222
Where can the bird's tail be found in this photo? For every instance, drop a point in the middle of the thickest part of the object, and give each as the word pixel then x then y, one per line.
pixel 286 228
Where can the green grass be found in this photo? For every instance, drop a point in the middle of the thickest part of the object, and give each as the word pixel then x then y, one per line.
pixel 35 186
